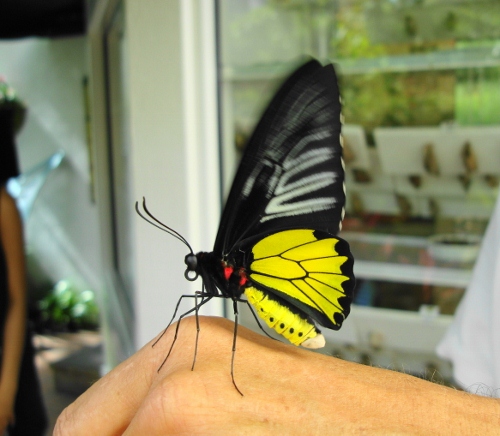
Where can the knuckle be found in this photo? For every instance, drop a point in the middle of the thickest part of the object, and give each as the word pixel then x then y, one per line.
pixel 63 424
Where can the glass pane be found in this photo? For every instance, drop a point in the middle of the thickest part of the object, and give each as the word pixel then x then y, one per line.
pixel 422 127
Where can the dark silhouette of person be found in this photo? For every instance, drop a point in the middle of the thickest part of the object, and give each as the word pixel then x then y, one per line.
pixel 22 411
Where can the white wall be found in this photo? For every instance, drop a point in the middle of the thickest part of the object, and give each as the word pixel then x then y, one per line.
pixel 173 152
pixel 174 147
pixel 62 232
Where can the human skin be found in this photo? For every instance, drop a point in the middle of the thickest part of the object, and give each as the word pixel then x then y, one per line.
pixel 287 391
pixel 11 238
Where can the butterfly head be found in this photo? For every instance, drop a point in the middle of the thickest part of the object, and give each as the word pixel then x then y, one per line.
pixel 191 262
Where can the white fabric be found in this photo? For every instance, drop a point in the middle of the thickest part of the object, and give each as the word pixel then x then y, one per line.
pixel 472 342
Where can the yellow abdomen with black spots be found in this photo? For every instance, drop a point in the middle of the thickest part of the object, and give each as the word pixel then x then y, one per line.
pixel 281 319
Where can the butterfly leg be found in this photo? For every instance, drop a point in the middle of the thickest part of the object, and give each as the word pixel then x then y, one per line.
pixel 235 335
pixel 204 299
pixel 173 317
pixel 197 308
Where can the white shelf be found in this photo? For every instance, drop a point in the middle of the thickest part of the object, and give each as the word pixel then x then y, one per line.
pixel 416 274
pixel 393 329
pixel 369 265
pixel 455 59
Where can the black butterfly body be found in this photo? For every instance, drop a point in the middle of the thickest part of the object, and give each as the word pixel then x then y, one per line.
pixel 277 242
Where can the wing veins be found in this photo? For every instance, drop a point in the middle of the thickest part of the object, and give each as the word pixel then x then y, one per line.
pixel 307 275
pixel 314 305
pixel 323 296
pixel 329 302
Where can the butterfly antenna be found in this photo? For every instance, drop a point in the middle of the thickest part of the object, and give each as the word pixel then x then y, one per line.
pixel 151 219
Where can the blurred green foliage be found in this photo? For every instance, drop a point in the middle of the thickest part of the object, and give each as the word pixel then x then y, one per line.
pixel 66 308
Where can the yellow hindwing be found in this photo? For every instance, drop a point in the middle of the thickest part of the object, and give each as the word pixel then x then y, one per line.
pixel 308 269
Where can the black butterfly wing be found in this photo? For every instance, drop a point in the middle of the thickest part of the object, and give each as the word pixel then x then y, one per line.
pixel 291 174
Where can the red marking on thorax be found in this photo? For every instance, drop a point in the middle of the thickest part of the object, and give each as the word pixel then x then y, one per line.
pixel 243 277
pixel 228 270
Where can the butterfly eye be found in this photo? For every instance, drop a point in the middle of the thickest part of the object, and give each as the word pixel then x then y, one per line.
pixel 191 261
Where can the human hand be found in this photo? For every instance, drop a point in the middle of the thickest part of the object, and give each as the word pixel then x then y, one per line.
pixel 287 390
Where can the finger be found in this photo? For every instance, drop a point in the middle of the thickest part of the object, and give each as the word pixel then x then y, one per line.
pixel 108 406
pixel 179 401
pixel 161 413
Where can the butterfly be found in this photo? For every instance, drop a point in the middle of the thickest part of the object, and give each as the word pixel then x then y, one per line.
pixel 277 247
